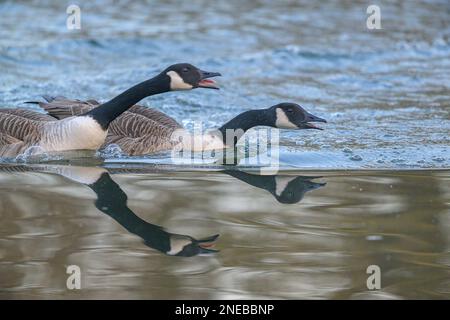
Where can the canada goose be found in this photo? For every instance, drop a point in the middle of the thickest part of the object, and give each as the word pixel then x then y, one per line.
pixel 21 129
pixel 144 130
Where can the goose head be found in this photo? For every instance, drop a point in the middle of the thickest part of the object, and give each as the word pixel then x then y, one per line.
pixel 186 246
pixel 292 116
pixel 185 76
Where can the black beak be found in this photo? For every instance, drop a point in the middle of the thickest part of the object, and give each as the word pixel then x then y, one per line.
pixel 206 82
pixel 316 185
pixel 206 74
pixel 312 118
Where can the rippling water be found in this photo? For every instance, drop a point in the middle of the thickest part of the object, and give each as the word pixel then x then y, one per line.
pixel 385 92
pixel 315 227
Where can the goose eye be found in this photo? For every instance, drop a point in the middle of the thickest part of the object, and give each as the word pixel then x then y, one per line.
pixel 289 110
pixel 185 69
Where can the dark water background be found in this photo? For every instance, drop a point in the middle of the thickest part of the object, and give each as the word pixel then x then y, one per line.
pixel 384 92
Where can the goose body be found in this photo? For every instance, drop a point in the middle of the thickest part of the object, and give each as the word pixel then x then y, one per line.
pixel 19 133
pixel 85 125
pixel 142 130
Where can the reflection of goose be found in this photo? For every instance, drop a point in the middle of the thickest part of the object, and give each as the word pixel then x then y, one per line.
pixel 286 189
pixel 112 200
pixel 87 130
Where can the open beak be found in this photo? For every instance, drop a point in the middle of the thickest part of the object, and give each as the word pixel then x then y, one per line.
pixel 316 185
pixel 206 82
pixel 312 118
pixel 206 243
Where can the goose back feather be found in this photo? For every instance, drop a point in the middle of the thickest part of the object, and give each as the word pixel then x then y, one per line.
pixel 85 124
pixel 61 107
pixel 28 114
pixel 20 126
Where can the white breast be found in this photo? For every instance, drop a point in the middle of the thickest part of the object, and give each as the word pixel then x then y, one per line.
pixel 74 133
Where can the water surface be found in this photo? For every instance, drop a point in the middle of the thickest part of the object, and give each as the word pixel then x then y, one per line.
pixel 384 92
pixel 294 235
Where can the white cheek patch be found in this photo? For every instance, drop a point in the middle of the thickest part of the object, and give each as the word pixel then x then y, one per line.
pixel 177 83
pixel 283 121
pixel 281 183
pixel 177 244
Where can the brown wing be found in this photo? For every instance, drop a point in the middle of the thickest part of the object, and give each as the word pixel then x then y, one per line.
pixel 6 139
pixel 28 114
pixel 142 131
pixel 17 133
pixel 20 127
pixel 142 145
pixel 135 125
pixel 136 134
pixel 60 107
pixel 155 115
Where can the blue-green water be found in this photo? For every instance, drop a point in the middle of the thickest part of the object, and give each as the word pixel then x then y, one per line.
pixel 384 92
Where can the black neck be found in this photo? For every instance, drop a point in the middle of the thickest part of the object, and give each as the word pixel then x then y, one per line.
pixel 237 126
pixel 259 181
pixel 113 201
pixel 108 111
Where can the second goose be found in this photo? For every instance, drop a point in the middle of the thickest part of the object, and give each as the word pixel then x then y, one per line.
pixel 143 130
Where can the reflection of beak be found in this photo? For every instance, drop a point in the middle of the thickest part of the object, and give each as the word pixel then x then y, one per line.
pixel 311 185
pixel 206 82
pixel 316 185
pixel 312 118
pixel 207 250
pixel 205 244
